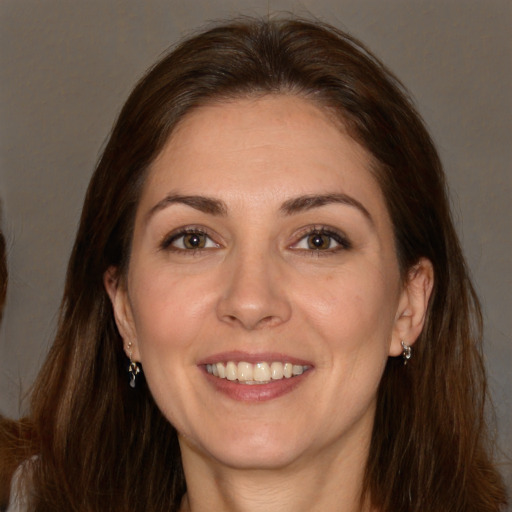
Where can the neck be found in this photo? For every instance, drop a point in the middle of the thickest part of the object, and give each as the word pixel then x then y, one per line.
pixel 332 482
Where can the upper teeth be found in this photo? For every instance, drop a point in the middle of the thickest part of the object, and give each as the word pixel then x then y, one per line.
pixel 255 373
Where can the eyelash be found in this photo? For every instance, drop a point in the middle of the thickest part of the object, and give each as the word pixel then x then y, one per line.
pixel 333 235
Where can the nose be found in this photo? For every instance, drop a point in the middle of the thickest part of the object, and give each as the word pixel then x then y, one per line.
pixel 254 293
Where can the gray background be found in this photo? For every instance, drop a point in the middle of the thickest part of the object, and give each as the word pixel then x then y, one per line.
pixel 67 66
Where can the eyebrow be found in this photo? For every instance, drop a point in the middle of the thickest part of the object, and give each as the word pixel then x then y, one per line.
pixel 308 202
pixel 202 203
pixel 292 206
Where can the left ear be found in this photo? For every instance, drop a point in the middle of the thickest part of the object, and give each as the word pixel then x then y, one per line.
pixel 412 306
pixel 116 290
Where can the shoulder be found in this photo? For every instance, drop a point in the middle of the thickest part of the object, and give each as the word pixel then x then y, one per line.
pixel 20 487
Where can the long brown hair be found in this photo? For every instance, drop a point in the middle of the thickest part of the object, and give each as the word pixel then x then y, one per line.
pixel 103 446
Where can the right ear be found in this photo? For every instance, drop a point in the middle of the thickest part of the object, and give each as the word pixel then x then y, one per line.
pixel 116 290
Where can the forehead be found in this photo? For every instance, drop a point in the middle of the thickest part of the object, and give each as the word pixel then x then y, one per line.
pixel 254 139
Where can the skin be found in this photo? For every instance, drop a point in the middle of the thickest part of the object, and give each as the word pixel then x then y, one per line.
pixel 259 286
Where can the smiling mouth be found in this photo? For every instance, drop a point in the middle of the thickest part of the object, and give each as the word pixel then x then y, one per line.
pixel 259 373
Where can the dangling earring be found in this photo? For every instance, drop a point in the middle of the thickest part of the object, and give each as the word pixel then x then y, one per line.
pixel 134 368
pixel 406 353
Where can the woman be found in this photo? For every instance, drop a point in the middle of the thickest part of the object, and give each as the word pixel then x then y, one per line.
pixel 266 304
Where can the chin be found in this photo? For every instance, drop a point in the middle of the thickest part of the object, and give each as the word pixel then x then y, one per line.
pixel 267 458
pixel 247 450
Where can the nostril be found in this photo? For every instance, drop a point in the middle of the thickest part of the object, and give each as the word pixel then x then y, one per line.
pixel 251 299
pixel 254 323
pixel 269 320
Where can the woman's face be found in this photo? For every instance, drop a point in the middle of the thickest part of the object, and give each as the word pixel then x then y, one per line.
pixel 262 249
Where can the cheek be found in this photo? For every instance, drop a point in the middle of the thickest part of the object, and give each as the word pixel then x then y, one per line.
pixel 350 306
pixel 169 316
pixel 168 312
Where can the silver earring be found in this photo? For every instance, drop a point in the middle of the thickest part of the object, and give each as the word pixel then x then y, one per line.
pixel 134 368
pixel 406 352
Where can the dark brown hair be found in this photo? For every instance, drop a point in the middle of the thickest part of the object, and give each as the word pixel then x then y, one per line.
pixel 103 446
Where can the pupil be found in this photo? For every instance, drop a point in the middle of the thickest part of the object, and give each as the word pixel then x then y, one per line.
pixel 194 241
pixel 319 241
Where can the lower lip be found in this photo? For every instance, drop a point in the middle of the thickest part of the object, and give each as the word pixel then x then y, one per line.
pixel 256 392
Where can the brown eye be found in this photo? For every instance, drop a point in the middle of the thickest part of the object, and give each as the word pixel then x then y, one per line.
pixel 188 241
pixel 194 241
pixel 319 241
pixel 322 240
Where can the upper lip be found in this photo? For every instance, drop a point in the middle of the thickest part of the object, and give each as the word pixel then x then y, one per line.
pixel 253 357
